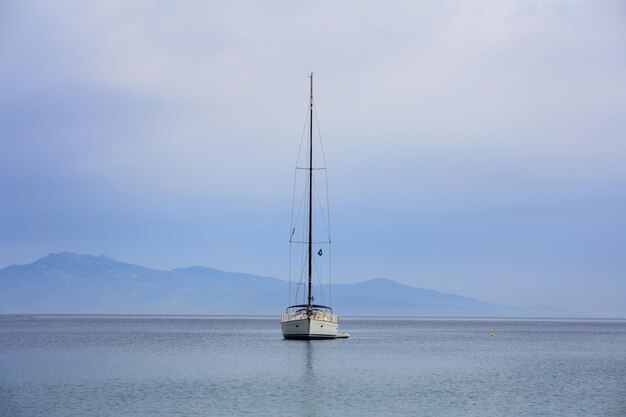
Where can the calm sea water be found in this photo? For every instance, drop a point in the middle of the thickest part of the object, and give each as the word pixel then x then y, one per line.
pixel 210 366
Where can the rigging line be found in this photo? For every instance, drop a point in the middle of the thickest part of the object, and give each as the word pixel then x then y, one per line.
pixel 302 264
pixel 293 203
pixel 304 252
pixel 300 283
pixel 302 258
pixel 300 206
pixel 322 214
pixel 327 204
pixel 306 119
pixel 330 281
pixel 295 181
pixel 319 281
pixel 319 202
pixel 313 169
pixel 319 135
pixel 295 298
pixel 305 213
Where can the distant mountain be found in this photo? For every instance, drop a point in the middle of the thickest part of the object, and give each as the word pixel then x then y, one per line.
pixel 72 283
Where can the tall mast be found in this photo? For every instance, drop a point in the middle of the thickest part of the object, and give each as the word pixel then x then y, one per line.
pixel 309 307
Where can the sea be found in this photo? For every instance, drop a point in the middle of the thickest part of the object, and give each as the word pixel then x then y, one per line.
pixel 82 366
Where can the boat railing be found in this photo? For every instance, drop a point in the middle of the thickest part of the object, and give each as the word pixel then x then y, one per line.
pixel 317 315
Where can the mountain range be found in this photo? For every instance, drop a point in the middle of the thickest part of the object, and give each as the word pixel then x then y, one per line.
pixel 70 283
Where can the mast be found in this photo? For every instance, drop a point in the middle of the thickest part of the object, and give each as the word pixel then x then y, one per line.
pixel 309 307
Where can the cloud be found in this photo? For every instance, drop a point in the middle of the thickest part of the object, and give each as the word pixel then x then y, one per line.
pixel 127 115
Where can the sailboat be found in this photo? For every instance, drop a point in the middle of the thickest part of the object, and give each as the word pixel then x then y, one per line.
pixel 309 320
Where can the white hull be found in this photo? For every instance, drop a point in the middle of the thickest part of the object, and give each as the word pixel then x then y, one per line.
pixel 309 328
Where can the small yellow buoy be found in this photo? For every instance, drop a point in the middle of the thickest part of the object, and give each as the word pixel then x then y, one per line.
pixel 492 334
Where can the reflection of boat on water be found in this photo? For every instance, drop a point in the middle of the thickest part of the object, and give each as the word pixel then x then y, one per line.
pixel 309 320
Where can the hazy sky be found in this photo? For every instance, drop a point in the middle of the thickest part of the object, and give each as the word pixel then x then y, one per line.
pixel 473 147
